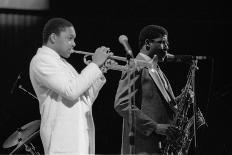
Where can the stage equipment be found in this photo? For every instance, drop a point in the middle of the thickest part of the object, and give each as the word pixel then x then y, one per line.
pixel 22 137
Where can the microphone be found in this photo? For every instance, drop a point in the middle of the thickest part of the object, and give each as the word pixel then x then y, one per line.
pixel 124 41
pixel 180 58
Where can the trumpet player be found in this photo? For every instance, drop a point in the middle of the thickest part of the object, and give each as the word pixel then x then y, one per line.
pixel 153 109
pixel 65 96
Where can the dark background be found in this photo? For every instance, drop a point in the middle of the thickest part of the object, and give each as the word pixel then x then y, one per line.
pixel 195 28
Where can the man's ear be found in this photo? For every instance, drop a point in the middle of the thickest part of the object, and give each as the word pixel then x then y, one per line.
pixel 52 38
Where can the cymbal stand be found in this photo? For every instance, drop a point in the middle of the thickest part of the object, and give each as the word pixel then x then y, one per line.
pixel 31 149
pixel 21 87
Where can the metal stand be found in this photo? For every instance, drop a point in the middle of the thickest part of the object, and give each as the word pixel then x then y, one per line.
pixel 21 87
pixel 131 106
pixel 194 68
pixel 31 149
pixel 15 83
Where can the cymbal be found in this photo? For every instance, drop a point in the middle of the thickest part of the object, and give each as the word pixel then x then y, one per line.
pixel 22 134
pixel 25 143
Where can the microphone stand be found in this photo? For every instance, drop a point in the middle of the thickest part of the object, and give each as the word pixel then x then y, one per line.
pixel 131 105
pixel 194 68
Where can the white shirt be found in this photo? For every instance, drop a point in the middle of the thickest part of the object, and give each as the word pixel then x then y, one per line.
pixel 65 101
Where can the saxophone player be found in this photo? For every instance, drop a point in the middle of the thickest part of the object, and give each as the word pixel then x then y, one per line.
pixel 154 99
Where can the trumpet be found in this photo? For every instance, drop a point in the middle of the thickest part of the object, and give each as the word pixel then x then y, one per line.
pixel 113 65
pixel 110 57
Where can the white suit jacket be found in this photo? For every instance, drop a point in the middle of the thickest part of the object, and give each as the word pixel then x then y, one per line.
pixel 65 101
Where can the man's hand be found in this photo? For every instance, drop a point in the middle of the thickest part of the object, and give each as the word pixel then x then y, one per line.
pixel 167 130
pixel 100 56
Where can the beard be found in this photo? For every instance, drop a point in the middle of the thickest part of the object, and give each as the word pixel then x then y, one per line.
pixel 161 54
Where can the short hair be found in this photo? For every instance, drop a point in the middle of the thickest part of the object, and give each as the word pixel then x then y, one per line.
pixel 54 25
pixel 151 32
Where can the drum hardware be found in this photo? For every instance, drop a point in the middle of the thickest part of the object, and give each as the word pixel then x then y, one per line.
pixel 22 137
pixel 15 83
pixel 21 87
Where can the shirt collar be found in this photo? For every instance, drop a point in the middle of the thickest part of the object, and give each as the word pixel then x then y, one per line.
pixel 48 50
pixel 146 58
pixel 149 59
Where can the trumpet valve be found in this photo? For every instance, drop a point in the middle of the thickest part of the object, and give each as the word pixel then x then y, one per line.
pixel 110 62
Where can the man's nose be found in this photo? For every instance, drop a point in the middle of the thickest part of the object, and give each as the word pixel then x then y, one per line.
pixel 73 44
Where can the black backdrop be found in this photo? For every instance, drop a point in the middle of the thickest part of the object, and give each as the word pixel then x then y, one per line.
pixel 199 28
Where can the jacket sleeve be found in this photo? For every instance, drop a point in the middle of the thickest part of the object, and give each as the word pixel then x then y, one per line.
pixel 144 124
pixel 49 72
pixel 96 87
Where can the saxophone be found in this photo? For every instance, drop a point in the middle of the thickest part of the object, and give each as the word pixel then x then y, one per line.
pixel 184 120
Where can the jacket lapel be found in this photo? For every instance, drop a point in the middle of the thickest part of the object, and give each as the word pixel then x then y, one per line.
pixel 169 88
pixel 156 78
pixel 159 83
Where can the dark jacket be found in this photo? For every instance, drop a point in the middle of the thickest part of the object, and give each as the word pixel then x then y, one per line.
pixel 150 108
